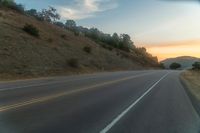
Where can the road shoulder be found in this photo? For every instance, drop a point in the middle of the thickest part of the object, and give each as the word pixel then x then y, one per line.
pixel 190 81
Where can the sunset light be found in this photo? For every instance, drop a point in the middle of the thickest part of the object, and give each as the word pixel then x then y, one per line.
pixel 175 49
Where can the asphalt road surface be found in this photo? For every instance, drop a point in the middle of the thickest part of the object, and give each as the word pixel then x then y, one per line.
pixel 120 102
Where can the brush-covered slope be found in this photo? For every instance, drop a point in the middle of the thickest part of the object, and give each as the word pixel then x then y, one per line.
pixel 56 50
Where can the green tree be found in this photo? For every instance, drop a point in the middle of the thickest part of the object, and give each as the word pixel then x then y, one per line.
pixel 115 40
pixel 32 12
pixel 95 34
pixel 126 42
pixel 70 24
pixel 49 14
pixel 196 66
pixel 162 65
pixel 175 66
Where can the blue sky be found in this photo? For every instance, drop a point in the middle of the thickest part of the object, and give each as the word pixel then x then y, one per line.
pixel 147 21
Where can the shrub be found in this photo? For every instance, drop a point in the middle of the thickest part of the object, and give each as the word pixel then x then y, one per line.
pixel 63 36
pixel 162 65
pixel 87 49
pixel 73 62
pixel 196 66
pixel 175 66
pixel 32 30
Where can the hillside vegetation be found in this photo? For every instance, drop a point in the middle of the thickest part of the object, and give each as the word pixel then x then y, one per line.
pixel 186 62
pixel 30 47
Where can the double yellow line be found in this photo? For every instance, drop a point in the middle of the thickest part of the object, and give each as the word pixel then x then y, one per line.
pixel 51 97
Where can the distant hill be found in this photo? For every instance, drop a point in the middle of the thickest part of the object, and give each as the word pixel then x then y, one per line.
pixel 58 50
pixel 185 61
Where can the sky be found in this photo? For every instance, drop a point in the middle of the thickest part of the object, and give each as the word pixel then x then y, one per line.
pixel 167 28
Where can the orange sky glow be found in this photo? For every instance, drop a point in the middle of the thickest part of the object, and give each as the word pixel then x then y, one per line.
pixel 174 49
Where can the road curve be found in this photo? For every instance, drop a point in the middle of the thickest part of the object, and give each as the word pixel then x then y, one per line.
pixel 120 102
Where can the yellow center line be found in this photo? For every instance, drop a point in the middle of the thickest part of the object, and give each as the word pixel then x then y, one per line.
pixel 51 97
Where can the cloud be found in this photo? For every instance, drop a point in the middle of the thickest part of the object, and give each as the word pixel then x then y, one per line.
pixel 81 9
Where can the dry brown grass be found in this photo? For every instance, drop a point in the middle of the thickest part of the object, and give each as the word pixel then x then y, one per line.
pixel 192 80
pixel 23 54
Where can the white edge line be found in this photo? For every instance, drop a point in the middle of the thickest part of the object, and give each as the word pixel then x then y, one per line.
pixel 109 126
